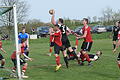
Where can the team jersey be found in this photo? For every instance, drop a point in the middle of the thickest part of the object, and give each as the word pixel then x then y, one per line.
pixel 115 31
pixel 23 47
pixel 88 37
pixel 51 38
pixel 22 36
pixel 13 56
pixel 0 44
pixel 57 38
pixel 63 29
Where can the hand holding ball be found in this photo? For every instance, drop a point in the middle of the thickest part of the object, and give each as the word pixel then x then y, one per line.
pixel 51 12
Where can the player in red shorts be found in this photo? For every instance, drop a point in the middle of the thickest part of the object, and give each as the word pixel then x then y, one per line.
pixel 87 43
pixel 51 41
pixel 1 57
pixel 22 61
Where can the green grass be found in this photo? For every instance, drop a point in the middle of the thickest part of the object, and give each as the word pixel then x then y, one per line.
pixel 42 67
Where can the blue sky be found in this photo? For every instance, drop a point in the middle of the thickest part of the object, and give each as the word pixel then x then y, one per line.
pixel 74 9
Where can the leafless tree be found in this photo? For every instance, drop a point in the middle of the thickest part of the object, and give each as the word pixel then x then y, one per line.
pixel 22 9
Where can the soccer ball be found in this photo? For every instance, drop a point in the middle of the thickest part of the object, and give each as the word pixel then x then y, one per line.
pixel 51 12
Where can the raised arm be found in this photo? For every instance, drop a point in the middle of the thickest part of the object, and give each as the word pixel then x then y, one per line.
pixel 53 20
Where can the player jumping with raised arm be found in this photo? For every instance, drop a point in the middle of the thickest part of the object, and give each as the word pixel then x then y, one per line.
pixel 65 41
pixel 87 43
pixel 1 57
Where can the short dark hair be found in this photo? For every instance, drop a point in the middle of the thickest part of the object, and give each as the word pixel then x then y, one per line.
pixel 61 20
pixel 23 27
pixel 86 20
pixel 118 22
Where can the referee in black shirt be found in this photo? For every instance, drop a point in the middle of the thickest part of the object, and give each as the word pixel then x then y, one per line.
pixel 115 34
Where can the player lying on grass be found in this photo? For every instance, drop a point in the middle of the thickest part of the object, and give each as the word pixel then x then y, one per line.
pixel 65 31
pixel 51 41
pixel 93 57
pixel 1 56
pixel 117 45
pixel 22 61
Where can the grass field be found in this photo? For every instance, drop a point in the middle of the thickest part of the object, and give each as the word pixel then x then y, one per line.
pixel 42 67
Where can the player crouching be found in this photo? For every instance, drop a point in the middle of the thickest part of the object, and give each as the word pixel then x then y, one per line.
pixel 22 61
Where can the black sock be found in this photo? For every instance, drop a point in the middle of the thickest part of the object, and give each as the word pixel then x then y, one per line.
pixel 66 60
pixel 114 45
pixel 75 55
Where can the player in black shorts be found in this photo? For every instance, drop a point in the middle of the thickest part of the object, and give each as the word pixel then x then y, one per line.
pixel 115 34
pixel 117 45
pixel 65 31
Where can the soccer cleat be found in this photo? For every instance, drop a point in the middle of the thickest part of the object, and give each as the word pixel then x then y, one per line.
pixel 58 67
pixel 14 71
pixel 24 76
pixel 49 54
pixel 90 64
pixel 2 67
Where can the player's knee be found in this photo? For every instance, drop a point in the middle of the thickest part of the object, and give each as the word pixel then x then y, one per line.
pixel 83 52
pixel 118 61
pixel 70 49
pixel 56 55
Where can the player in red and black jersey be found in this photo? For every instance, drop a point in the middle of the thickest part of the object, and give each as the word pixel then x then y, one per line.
pixel 22 61
pixel 58 47
pixel 1 56
pixel 65 31
pixel 87 43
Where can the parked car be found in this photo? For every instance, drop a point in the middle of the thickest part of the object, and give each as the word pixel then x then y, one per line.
pixel 42 31
pixel 78 30
pixel 98 29
pixel 109 28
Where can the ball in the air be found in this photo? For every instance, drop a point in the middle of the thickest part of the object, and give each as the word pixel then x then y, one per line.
pixel 51 11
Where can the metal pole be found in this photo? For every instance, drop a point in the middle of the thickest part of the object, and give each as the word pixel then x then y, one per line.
pixel 16 40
